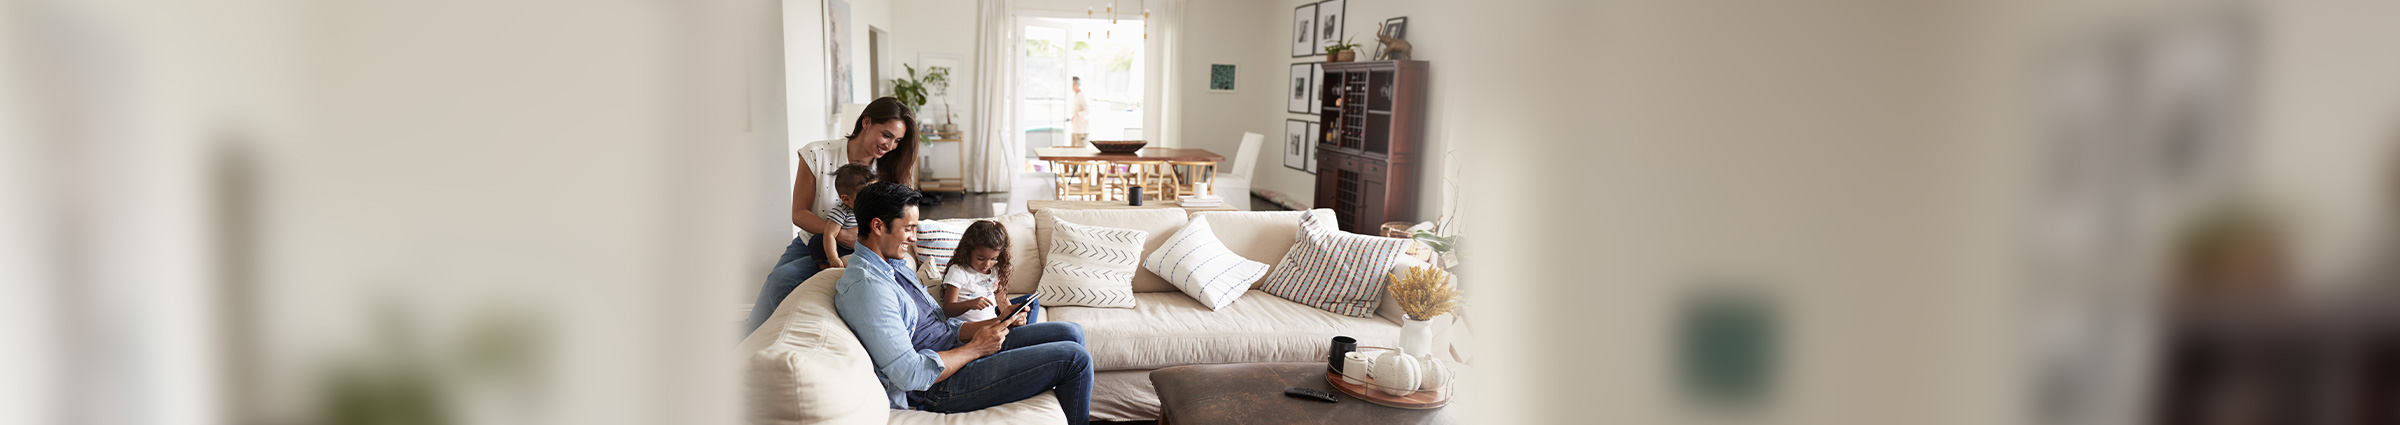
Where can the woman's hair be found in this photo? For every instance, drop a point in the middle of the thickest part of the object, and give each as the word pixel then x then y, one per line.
pixel 899 165
pixel 983 234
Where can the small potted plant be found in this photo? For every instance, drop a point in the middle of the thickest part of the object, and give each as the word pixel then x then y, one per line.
pixel 1344 51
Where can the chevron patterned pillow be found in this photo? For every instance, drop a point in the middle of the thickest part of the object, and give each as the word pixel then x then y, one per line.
pixel 1333 270
pixel 1091 266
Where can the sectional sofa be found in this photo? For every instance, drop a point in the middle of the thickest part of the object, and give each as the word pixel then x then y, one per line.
pixel 804 365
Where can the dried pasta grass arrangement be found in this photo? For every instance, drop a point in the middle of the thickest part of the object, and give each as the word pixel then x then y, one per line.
pixel 1424 292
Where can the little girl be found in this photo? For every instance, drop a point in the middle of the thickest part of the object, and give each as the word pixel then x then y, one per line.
pixel 978 274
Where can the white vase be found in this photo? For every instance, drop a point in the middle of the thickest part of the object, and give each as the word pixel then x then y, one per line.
pixel 1416 336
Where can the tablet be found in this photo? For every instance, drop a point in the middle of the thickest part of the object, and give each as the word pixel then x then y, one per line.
pixel 1031 300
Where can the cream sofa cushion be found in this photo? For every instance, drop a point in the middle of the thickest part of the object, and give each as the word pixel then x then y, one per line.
pixel 1024 254
pixel 1041 409
pixel 1159 222
pixel 1170 329
pixel 804 366
pixel 1262 236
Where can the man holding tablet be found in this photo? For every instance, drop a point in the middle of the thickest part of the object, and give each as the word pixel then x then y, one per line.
pixel 933 363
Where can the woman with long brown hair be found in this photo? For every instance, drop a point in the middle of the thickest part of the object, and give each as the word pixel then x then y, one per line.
pixel 885 139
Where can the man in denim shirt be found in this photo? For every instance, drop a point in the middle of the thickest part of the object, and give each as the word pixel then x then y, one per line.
pixel 938 364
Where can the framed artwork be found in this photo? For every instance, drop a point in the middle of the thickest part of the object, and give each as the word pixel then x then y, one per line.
pixel 1304 31
pixel 1220 78
pixel 1311 149
pixel 1296 100
pixel 837 54
pixel 1329 24
pixel 937 108
pixel 1316 89
pixel 1296 143
pixel 1396 27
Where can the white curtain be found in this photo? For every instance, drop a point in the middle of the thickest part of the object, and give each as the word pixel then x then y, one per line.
pixel 993 149
pixel 1159 113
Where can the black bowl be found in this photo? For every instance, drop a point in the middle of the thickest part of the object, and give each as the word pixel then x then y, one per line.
pixel 1119 146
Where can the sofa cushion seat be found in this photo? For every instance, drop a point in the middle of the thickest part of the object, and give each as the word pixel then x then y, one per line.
pixel 1171 329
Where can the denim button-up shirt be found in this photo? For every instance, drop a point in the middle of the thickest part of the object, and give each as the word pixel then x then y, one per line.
pixel 903 329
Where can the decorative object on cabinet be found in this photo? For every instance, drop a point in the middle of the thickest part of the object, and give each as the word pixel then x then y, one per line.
pixel 1220 78
pixel 1341 51
pixel 1296 98
pixel 1295 143
pixel 1329 22
pixel 1373 119
pixel 1391 46
pixel 1304 30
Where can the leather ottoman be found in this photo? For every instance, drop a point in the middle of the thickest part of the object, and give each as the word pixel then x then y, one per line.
pixel 1252 393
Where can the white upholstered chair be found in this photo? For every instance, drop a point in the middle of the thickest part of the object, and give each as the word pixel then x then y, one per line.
pixel 1233 183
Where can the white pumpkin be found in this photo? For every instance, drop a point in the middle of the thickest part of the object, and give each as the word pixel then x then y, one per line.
pixel 1435 373
pixel 1397 374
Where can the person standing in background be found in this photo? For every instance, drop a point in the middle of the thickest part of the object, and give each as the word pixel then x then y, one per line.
pixel 1081 124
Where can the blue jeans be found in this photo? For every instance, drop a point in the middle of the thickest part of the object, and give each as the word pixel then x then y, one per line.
pixel 799 262
pixel 1034 359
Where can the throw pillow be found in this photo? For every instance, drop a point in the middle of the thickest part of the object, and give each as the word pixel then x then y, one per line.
pixel 936 242
pixel 1194 261
pixel 1091 266
pixel 1333 270
pixel 1160 222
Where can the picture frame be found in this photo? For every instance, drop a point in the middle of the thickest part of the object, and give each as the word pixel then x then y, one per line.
pixel 837 55
pixel 1296 96
pixel 1304 31
pixel 1220 78
pixel 1297 144
pixel 1313 131
pixel 1330 14
pixel 1398 27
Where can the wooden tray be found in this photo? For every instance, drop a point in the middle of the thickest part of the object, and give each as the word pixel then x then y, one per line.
pixel 1420 400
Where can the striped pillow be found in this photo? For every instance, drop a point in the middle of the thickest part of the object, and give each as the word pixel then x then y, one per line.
pixel 1336 271
pixel 1194 261
pixel 936 242
pixel 1091 266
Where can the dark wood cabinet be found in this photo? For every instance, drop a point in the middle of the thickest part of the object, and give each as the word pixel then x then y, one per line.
pixel 1373 119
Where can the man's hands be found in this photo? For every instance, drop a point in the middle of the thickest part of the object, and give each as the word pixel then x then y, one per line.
pixel 985 337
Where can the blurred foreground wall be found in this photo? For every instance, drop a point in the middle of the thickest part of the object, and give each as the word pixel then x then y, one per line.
pixel 310 212
pixel 527 212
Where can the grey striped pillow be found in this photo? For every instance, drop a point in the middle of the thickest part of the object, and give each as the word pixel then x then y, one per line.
pixel 1194 261
pixel 1091 266
pixel 1336 271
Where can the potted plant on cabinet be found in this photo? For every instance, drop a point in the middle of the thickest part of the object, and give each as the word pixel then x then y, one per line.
pixel 1344 51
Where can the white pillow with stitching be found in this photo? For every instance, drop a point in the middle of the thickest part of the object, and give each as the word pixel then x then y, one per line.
pixel 1196 262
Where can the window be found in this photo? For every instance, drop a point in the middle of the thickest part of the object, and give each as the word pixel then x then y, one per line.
pixel 1106 56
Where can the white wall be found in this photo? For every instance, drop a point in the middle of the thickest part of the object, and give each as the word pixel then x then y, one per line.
pixel 1251 34
pixel 938 26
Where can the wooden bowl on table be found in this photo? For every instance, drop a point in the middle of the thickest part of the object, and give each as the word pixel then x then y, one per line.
pixel 1119 146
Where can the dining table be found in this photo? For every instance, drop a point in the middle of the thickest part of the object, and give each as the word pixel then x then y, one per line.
pixel 1087 153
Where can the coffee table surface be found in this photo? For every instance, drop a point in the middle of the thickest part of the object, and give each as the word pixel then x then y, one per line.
pixel 1252 393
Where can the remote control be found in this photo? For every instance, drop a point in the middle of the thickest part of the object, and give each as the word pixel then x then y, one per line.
pixel 1309 393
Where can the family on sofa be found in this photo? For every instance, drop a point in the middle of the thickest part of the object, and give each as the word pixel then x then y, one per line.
pixel 1122 292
